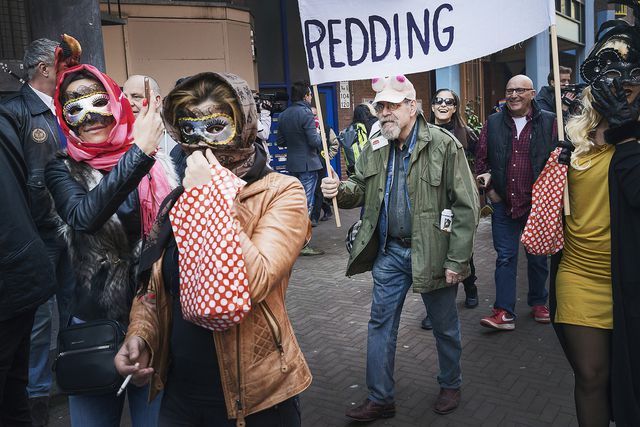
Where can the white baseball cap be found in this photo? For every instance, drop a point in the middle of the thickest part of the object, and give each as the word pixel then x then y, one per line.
pixel 393 89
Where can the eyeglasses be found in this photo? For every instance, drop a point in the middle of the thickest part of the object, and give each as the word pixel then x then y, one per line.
pixel 449 102
pixel 391 106
pixel 517 90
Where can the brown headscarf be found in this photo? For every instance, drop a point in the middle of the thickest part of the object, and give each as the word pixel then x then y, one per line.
pixel 239 154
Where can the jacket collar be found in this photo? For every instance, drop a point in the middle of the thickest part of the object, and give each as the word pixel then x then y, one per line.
pixel 424 137
pixel 33 101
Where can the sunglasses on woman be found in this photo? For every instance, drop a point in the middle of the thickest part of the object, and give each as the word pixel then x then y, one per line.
pixel 449 102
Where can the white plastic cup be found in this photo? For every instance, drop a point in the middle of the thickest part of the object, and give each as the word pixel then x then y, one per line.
pixel 446 218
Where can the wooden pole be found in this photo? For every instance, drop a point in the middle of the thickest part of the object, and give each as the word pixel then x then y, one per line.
pixel 325 149
pixel 558 95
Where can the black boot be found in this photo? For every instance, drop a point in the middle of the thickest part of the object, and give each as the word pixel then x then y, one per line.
pixel 471 296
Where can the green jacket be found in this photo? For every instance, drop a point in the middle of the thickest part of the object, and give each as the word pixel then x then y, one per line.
pixel 438 178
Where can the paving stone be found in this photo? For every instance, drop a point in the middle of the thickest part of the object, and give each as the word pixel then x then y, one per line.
pixel 518 378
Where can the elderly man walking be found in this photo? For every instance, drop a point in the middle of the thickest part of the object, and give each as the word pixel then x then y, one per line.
pixel 514 146
pixel 411 177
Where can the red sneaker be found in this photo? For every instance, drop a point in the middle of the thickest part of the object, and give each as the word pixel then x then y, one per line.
pixel 540 313
pixel 501 319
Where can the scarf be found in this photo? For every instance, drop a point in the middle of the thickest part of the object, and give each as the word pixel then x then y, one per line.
pixel 154 187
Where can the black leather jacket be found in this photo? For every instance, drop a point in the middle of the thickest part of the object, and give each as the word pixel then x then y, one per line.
pixel 103 246
pixel 25 271
pixel 87 211
pixel 40 140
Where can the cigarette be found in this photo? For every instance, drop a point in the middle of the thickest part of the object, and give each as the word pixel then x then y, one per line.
pixel 126 382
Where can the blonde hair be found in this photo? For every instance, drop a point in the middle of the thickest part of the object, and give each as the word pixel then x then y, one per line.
pixel 580 129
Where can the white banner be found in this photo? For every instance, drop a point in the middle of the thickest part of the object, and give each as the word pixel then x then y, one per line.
pixel 362 39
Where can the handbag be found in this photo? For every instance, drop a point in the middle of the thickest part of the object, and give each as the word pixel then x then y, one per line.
pixel 543 233
pixel 84 364
pixel 214 286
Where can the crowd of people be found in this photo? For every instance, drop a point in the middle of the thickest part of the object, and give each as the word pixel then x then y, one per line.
pixel 162 216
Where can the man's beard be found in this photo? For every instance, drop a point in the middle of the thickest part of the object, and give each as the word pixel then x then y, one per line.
pixel 390 132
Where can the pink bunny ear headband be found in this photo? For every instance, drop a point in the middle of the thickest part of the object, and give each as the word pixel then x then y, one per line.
pixel 393 89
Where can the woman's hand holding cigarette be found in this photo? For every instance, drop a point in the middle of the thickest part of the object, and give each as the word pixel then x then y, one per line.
pixel 134 352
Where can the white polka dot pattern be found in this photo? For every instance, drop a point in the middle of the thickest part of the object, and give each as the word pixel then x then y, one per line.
pixel 214 290
pixel 543 234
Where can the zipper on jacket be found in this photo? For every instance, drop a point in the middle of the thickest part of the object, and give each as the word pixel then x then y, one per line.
pixel 84 350
pixel 276 334
pixel 240 415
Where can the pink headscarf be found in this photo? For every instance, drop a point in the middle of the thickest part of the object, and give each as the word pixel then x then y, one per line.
pixel 104 155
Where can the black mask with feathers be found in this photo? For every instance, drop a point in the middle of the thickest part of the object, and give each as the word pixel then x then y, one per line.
pixel 616 53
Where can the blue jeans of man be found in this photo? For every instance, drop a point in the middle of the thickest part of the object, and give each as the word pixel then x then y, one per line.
pixel 506 233
pixel 39 370
pixel 105 410
pixel 392 278
pixel 309 180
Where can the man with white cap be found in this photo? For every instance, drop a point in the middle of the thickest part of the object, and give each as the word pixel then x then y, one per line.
pixel 420 213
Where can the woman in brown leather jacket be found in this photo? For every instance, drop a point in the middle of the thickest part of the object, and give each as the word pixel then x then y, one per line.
pixel 253 371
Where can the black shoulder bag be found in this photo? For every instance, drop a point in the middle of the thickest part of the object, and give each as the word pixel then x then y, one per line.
pixel 85 357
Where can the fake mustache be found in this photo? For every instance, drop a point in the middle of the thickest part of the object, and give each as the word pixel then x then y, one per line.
pixel 93 119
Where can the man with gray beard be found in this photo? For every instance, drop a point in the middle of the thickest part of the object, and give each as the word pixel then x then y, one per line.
pixel 420 215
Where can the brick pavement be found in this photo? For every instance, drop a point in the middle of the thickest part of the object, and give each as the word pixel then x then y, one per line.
pixel 518 378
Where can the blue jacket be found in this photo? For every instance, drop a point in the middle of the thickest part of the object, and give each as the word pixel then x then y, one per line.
pixel 297 131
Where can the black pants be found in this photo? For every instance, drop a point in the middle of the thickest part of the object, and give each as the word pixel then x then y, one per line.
pixel 470 282
pixel 177 411
pixel 319 202
pixel 15 336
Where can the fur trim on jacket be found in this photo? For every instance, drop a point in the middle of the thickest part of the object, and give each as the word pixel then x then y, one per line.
pixel 105 262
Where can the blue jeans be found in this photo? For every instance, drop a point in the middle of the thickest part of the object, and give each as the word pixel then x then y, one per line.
pixel 392 278
pixel 39 370
pixel 506 233
pixel 309 181
pixel 105 410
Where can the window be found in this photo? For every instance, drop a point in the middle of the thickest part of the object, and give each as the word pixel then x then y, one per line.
pixel 14 33
pixel 571 8
pixel 574 10
pixel 621 10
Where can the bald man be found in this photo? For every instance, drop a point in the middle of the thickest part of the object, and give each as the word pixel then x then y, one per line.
pixel 133 90
pixel 514 146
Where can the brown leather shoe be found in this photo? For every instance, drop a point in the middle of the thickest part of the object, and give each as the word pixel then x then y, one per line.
pixel 370 411
pixel 447 401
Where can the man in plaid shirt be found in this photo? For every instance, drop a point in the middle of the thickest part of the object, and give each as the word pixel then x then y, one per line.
pixel 514 146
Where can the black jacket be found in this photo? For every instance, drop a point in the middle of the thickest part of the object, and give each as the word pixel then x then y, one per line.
pixel 102 213
pixel 40 139
pixel 500 134
pixel 624 196
pixel 25 271
pixel 546 100
pixel 624 204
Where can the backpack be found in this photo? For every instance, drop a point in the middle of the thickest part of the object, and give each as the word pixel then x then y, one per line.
pixel 352 139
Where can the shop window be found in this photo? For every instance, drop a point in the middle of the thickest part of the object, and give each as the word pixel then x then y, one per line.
pixel 14 32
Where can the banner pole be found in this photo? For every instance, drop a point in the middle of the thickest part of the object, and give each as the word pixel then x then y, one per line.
pixel 323 136
pixel 558 95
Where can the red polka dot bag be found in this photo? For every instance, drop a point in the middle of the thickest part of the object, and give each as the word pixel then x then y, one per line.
pixel 214 290
pixel 543 233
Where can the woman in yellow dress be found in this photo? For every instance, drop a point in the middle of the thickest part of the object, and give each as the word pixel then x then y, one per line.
pixel 591 317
